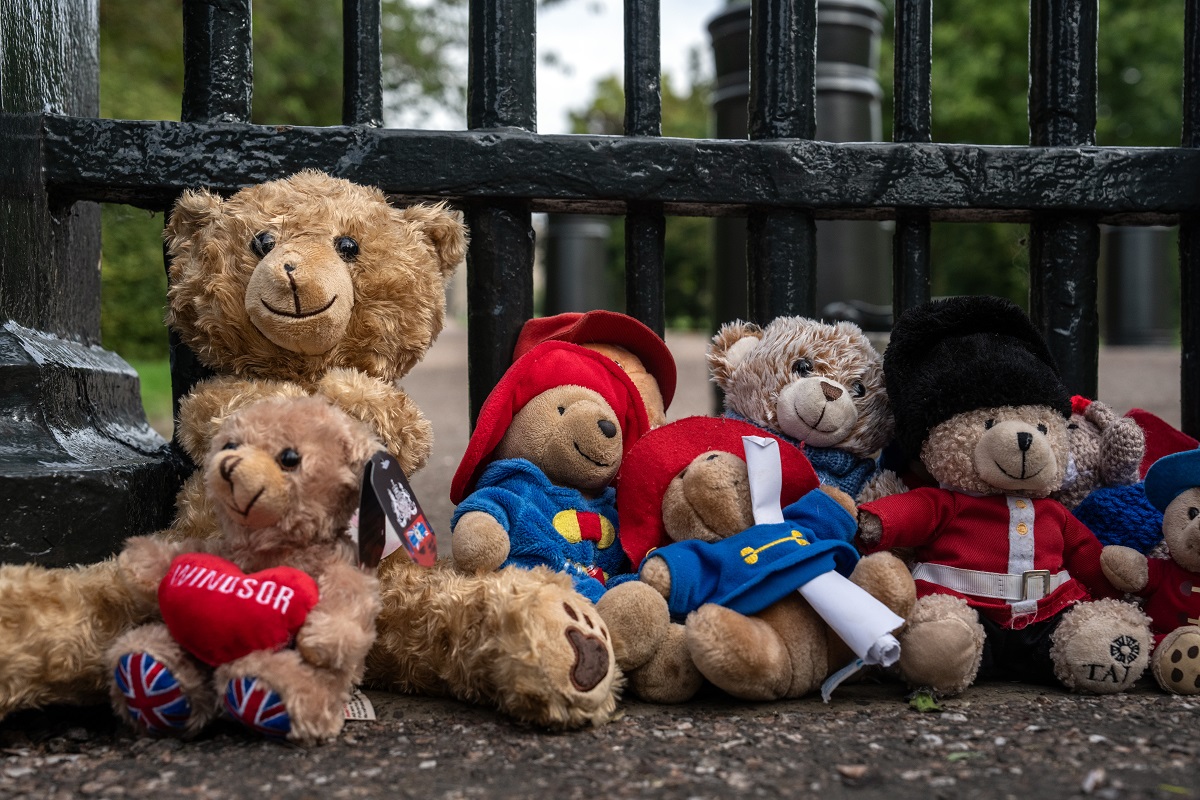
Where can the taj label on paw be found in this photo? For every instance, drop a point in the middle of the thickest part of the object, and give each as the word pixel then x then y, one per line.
pixel 389 516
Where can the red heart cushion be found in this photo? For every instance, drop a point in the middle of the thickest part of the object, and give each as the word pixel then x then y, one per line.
pixel 218 613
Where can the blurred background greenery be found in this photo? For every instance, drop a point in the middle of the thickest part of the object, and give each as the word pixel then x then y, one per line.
pixel 980 85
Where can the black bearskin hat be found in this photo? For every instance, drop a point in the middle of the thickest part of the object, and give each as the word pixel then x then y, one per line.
pixel 955 355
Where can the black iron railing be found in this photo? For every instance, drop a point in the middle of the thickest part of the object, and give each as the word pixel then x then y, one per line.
pixel 500 170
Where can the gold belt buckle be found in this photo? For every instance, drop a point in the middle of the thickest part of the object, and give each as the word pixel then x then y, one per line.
pixel 1034 574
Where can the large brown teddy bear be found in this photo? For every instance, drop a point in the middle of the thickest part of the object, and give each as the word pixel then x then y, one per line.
pixel 1006 576
pixel 814 383
pixel 676 486
pixel 284 476
pixel 299 286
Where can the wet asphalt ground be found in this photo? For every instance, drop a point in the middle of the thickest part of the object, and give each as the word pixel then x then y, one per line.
pixel 995 741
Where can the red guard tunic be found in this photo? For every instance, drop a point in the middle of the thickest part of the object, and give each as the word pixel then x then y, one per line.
pixel 1032 540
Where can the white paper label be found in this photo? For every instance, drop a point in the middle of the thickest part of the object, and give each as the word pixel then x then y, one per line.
pixel 358 706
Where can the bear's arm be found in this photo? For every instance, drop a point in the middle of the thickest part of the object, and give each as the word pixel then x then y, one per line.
pixel 144 562
pixel 1125 568
pixel 1081 554
pixel 205 407
pixel 823 516
pixel 910 519
pixel 388 410
pixel 340 629
pixel 479 529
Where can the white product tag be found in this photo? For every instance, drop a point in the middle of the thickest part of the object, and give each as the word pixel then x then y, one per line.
pixel 359 706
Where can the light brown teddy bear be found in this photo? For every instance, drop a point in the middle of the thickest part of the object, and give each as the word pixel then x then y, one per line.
pixel 272 619
pixel 309 284
pixel 675 486
pixel 814 383
pixel 1005 576
pixel 1171 584
pixel 55 625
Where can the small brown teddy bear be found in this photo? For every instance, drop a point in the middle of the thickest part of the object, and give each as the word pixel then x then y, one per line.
pixel 283 476
pixel 813 383
pixel 1170 585
pixel 534 485
pixel 674 487
pixel 1004 574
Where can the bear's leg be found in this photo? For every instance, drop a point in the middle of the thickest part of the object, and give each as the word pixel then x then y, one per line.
pixel 670 676
pixel 156 686
pixel 1101 647
pixel 942 645
pixel 1176 661
pixel 638 618
pixel 747 656
pixel 278 694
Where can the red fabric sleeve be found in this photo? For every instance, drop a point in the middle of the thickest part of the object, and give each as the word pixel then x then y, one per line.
pixel 913 518
pixel 1081 554
pixel 1155 573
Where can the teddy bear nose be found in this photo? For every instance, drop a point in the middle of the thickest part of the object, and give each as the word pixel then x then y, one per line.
pixel 607 428
pixel 830 391
pixel 1024 440
pixel 289 268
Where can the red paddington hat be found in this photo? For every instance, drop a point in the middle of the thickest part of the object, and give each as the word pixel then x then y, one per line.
pixel 546 366
pixel 662 453
pixel 605 327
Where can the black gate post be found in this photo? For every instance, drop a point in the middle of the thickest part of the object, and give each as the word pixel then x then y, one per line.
pixel 80 469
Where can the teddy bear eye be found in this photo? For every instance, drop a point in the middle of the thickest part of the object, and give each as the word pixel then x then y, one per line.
pixel 230 446
pixel 346 247
pixel 1043 429
pixel 262 243
pixel 288 458
pixel 858 389
pixel 987 425
pixel 1071 426
pixel 1193 512
pixel 802 366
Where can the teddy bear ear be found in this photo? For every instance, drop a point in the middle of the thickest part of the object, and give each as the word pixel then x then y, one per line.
pixel 730 346
pixel 194 210
pixel 445 230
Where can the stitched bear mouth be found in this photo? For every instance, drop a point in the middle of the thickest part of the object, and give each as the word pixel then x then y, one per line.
pixel 589 458
pixel 298 314
pixel 1023 476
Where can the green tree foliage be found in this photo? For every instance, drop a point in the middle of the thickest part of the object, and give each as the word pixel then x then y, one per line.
pixel 297 81
pixel 980 93
pixel 688 245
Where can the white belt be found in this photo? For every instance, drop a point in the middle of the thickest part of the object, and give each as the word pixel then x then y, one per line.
pixel 1031 585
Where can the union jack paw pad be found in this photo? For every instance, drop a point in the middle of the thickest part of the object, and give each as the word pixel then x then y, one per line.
pixel 153 697
pixel 258 707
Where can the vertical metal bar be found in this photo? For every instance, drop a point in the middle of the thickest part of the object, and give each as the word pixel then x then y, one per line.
pixel 362 63
pixel 1189 237
pixel 1064 248
pixel 500 94
pixel 782 245
pixel 911 122
pixel 218 72
pixel 645 225
pixel 218 86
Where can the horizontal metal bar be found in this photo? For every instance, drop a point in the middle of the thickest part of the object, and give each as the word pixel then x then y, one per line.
pixel 147 164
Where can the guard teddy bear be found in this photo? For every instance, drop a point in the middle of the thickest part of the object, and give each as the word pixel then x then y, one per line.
pixel 271 620
pixel 1005 575
pixel 813 383
pixel 227 254
pixel 639 351
pixel 1103 486
pixel 675 486
pixel 534 484
pixel 1170 585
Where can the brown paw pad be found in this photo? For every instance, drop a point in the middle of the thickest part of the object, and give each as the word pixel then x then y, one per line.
pixel 1180 665
pixel 591 659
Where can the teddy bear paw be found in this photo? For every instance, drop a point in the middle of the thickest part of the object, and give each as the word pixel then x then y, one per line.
pixel 154 701
pixel 1101 647
pixel 942 645
pixel 669 676
pixel 1177 661
pixel 253 703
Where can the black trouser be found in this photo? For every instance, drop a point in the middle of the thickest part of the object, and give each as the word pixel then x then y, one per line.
pixel 1018 655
